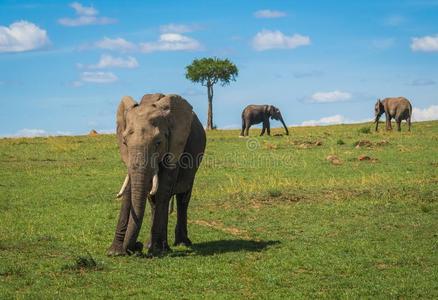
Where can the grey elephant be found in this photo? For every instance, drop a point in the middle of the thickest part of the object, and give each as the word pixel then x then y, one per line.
pixel 255 114
pixel 398 108
pixel 161 142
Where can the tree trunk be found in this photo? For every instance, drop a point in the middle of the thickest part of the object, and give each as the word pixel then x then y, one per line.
pixel 210 107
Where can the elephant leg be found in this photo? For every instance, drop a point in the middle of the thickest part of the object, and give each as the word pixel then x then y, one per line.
pixel 242 133
pixel 158 241
pixel 116 247
pixel 409 123
pixel 398 122
pixel 388 123
pixel 247 128
pixel 263 130
pixel 152 204
pixel 181 236
pixel 268 127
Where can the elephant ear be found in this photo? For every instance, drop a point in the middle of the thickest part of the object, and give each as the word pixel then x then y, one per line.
pixel 126 104
pixel 179 115
pixel 151 98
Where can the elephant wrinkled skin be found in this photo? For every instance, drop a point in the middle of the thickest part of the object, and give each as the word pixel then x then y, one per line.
pixel 398 108
pixel 161 141
pixel 255 114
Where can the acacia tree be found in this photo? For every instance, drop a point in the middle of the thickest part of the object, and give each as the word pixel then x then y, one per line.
pixel 208 72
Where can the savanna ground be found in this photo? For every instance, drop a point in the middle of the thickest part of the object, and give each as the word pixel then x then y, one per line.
pixel 270 217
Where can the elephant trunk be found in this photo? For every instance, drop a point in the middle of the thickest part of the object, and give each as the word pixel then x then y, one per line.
pixel 284 125
pixel 377 122
pixel 139 188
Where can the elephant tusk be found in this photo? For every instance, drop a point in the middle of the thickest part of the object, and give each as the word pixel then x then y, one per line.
pixel 124 185
pixel 154 188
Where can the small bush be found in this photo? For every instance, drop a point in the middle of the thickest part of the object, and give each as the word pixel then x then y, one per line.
pixel 274 193
pixel 365 130
pixel 340 142
pixel 83 263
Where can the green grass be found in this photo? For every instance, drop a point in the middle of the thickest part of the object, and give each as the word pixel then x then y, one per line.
pixel 270 217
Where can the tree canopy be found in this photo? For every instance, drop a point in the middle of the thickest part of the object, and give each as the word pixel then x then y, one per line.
pixel 209 71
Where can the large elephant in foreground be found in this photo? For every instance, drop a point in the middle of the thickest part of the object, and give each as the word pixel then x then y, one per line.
pixel 255 114
pixel 161 141
pixel 398 108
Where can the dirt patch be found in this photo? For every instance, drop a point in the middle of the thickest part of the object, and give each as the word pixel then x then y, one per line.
pixel 382 266
pixel 334 160
pixel 382 143
pixel 309 144
pixel 220 226
pixel 270 146
pixel 364 157
pixel 363 144
pixel 369 144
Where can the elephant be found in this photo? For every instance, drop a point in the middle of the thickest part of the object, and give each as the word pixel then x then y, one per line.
pixel 161 141
pixel 255 114
pixel 398 108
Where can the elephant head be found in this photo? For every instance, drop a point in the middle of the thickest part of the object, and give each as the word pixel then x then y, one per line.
pixel 274 113
pixel 151 135
pixel 379 109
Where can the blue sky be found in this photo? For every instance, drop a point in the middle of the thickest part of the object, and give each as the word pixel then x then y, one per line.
pixel 65 65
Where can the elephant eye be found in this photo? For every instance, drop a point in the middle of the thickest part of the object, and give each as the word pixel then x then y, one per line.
pixel 158 143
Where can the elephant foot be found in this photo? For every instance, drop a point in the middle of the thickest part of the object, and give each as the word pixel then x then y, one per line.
pixel 182 242
pixel 158 248
pixel 136 249
pixel 116 250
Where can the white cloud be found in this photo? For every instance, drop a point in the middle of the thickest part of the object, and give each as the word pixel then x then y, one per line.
pixel 117 44
pixel 22 36
pixel 331 120
pixel 86 15
pixel 108 61
pixel 177 28
pixel 330 97
pixel 266 39
pixel 26 132
pixel 84 10
pixel 425 43
pixel 269 14
pixel 36 132
pixel 98 77
pixel 426 114
pixel 171 42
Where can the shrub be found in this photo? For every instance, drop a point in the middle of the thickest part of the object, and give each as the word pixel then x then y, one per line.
pixel 365 130
pixel 274 193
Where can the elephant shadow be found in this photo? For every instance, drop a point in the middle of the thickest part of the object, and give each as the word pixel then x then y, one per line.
pixel 225 246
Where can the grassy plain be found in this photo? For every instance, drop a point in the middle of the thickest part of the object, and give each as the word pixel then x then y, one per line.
pixel 270 217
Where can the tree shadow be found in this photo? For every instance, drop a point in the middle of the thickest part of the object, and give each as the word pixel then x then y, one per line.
pixel 225 246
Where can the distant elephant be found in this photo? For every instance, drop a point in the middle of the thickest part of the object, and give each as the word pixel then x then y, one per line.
pixel 255 114
pixel 398 108
pixel 161 141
